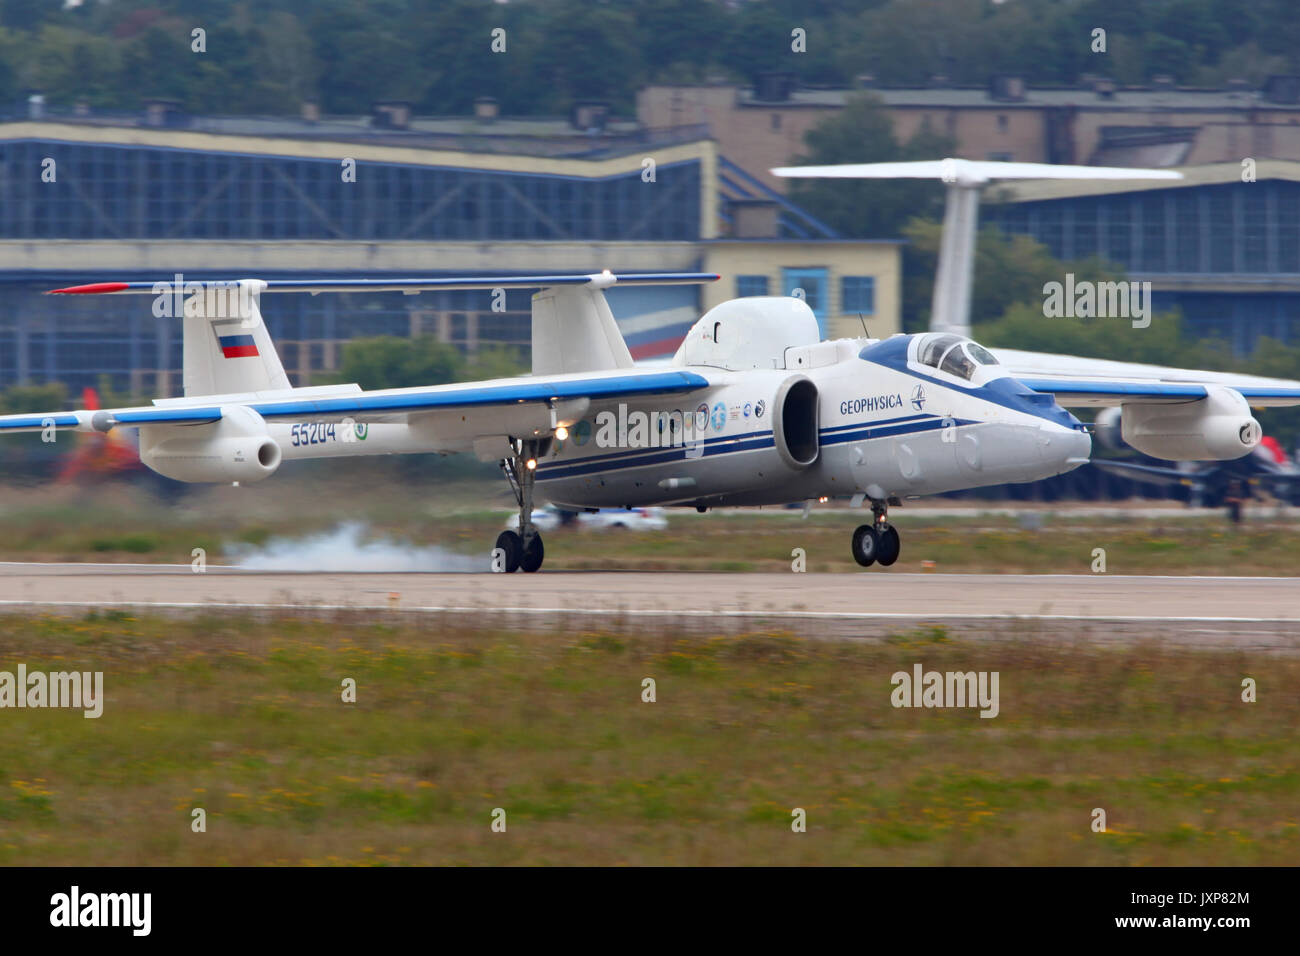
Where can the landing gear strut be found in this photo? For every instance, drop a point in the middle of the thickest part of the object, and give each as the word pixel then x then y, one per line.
pixel 522 549
pixel 878 541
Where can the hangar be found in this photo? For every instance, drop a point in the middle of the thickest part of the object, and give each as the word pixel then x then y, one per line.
pixel 1222 244
pixel 85 197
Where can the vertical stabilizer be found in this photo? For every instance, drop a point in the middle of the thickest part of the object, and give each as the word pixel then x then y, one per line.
pixel 227 347
pixel 574 331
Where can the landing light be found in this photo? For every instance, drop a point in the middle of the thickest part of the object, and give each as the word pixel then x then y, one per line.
pixel 531 464
pixel 823 499
pixel 561 433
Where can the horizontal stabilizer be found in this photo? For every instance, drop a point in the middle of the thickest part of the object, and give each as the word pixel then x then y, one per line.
pixel 599 280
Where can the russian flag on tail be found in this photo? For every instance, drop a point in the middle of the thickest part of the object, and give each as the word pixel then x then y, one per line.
pixel 235 342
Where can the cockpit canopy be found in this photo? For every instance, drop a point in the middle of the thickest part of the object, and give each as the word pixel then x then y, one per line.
pixel 952 353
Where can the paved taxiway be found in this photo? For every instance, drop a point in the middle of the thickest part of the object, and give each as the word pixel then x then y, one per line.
pixel 1263 610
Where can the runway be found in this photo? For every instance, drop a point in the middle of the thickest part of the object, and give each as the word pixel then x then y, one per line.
pixel 1265 608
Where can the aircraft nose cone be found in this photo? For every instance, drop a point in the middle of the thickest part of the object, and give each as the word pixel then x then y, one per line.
pixel 1065 448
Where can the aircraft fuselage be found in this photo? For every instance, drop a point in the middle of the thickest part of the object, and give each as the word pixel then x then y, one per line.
pixel 866 423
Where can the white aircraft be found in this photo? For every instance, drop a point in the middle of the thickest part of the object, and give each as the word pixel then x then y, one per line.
pixel 754 409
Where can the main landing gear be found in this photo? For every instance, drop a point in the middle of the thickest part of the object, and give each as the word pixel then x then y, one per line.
pixel 522 549
pixel 876 542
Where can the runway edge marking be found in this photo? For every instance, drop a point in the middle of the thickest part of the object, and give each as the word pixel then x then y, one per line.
pixel 646 612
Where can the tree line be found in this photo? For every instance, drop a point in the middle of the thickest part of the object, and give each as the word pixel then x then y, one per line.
pixel 272 56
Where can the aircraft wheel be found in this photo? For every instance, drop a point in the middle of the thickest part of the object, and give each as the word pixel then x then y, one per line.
pixel 532 555
pixel 508 542
pixel 890 545
pixel 866 545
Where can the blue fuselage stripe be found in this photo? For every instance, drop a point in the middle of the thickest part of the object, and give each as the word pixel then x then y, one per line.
pixel 732 444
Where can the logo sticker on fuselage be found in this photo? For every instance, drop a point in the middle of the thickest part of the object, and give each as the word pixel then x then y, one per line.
pixel 872 403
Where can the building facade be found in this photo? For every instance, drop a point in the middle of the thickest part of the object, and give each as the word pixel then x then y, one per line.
pixel 82 200
pixel 1223 250
pixel 1094 123
pixel 1222 245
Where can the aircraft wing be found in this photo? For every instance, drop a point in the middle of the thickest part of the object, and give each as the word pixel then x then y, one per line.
pixel 447 416
pixel 81 419
pixel 464 411
pixel 1087 382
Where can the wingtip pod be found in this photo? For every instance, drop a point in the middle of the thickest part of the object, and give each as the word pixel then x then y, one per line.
pixel 93 288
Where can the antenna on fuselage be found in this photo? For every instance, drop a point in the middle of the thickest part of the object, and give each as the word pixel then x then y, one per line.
pixel 864 325
pixel 950 307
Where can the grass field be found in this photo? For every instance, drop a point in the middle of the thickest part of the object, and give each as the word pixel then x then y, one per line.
pixel 244 718
pixel 122 523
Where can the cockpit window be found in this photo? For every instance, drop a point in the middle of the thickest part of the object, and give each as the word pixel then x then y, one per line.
pixel 933 349
pixel 957 362
pixel 954 354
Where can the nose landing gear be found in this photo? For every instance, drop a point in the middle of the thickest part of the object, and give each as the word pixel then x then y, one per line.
pixel 878 541
pixel 522 550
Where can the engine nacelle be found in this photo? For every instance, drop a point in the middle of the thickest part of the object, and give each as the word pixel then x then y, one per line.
pixel 1108 429
pixel 237 448
pixel 1218 427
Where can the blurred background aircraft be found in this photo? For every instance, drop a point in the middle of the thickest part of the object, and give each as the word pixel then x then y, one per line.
pixel 99 455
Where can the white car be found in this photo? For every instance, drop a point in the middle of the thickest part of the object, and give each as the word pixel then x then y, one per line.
pixel 544 519
pixel 635 519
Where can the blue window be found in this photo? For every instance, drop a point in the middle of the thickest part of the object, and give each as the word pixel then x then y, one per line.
pixel 858 294
pixel 811 285
pixel 751 285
